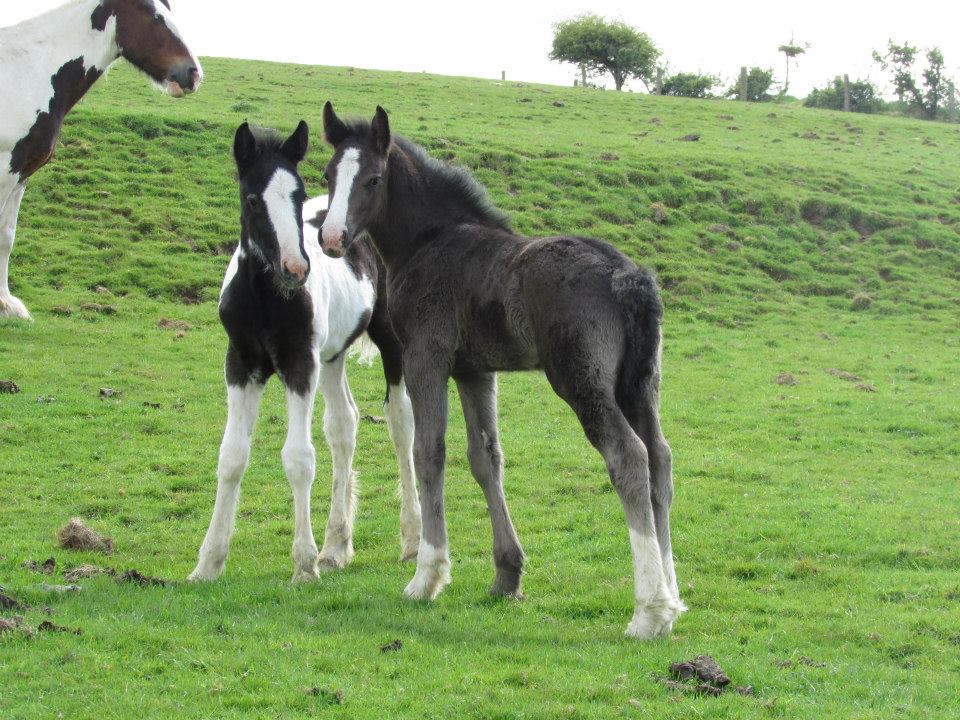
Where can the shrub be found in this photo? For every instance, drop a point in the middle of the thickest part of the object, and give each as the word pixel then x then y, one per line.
pixel 863 97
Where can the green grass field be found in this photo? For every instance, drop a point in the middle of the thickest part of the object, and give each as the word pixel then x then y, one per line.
pixel 816 524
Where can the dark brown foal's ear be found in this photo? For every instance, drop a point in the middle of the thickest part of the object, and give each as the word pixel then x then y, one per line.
pixel 295 147
pixel 244 148
pixel 334 129
pixel 381 130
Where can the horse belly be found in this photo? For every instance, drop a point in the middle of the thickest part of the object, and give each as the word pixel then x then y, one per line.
pixel 499 338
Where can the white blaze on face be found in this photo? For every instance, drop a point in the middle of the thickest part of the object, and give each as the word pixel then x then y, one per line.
pixel 278 198
pixel 335 224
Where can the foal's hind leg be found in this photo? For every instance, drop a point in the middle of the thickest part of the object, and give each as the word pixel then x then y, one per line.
pixel 242 405
pixel 399 414
pixel 9 210
pixel 478 396
pixel 643 413
pixel 340 418
pixel 300 465
pixel 627 464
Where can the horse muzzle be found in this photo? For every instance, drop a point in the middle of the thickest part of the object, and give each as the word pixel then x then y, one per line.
pixel 183 80
pixel 293 275
pixel 334 242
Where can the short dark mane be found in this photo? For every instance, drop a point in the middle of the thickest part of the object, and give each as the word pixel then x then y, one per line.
pixel 445 177
pixel 268 140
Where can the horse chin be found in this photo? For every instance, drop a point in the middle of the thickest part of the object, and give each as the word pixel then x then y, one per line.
pixel 173 89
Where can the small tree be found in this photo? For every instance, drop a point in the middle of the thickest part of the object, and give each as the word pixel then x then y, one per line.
pixel 689 85
pixel 791 50
pixel 899 61
pixel 933 81
pixel 603 46
pixel 863 97
pixel 758 85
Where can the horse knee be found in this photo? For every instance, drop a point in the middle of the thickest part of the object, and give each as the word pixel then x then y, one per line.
pixel 486 458
pixel 299 461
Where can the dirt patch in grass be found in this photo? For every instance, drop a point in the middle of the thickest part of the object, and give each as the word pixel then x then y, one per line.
pixel 395 646
pixel 77 536
pixel 701 676
pixel 844 375
pixel 785 378
pixel 85 572
pixel 8 387
pixel 47 626
pixel 168 324
pixel 7 602
pixel 138 578
pixel 99 308
pixel 47 567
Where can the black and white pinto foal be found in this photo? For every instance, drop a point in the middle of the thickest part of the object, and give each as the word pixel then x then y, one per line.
pixel 468 297
pixel 48 63
pixel 290 310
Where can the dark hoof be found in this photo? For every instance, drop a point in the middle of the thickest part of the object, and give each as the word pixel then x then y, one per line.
pixel 507 584
pixel 507 595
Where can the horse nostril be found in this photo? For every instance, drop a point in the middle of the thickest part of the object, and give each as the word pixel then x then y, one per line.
pixel 193 77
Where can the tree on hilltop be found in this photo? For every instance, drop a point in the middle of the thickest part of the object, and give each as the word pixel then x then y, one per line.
pixel 603 46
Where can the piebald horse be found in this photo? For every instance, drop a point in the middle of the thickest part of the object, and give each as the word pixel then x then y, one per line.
pixel 48 63
pixel 468 297
pixel 290 310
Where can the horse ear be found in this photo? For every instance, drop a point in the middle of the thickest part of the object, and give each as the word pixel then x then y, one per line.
pixel 295 148
pixel 334 128
pixel 244 147
pixel 381 130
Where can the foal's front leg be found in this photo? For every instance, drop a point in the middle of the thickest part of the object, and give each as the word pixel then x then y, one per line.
pixel 428 393
pixel 243 402
pixel 340 419
pixel 299 464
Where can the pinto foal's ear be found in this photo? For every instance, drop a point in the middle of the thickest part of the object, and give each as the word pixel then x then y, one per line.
pixel 295 147
pixel 381 130
pixel 244 147
pixel 335 130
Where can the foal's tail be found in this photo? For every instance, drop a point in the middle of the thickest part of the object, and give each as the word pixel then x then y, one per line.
pixel 364 349
pixel 638 296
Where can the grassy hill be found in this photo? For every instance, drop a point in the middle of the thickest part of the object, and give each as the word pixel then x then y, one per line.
pixel 816 516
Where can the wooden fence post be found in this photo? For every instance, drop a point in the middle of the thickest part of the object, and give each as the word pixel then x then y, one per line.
pixel 503 75
pixel 743 83
pixel 659 81
pixel 952 102
pixel 846 93
pixel 583 75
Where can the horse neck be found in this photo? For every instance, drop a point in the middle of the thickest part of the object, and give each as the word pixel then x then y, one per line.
pixel 68 32
pixel 411 213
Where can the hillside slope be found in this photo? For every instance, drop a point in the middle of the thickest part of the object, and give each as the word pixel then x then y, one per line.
pixel 756 214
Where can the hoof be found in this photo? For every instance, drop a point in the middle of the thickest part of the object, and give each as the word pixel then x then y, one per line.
pixel 427 585
pixel 301 576
pixel 11 307
pixel 654 620
pixel 334 559
pixel 199 575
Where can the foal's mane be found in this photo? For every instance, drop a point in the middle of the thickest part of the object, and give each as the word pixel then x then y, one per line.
pixel 444 178
pixel 268 140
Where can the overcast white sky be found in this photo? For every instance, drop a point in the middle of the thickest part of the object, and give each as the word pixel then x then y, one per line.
pixel 481 39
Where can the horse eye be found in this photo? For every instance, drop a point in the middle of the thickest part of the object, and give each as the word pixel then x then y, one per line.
pixel 374 182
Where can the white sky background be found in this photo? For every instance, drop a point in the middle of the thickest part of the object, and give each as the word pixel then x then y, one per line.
pixel 481 39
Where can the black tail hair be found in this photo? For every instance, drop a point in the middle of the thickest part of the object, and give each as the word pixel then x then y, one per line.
pixel 638 296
